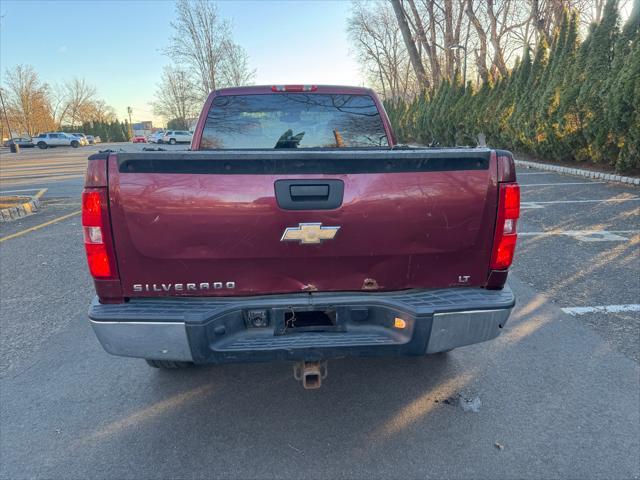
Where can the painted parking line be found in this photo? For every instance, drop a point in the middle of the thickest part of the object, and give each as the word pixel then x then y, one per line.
pixel 632 307
pixel 31 181
pixel 38 227
pixel 585 235
pixel 558 184
pixel 20 190
pixel 39 192
pixel 530 205
pixel 46 167
pixel 541 204
pixel 9 178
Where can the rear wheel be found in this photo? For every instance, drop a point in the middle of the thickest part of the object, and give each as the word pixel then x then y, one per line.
pixel 42 145
pixel 172 141
pixel 168 364
pixel 75 144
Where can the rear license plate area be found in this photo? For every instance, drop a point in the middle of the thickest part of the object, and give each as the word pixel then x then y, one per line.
pixel 296 321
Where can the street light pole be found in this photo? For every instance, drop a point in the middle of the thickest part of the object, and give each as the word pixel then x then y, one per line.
pixel 129 111
pixel 465 69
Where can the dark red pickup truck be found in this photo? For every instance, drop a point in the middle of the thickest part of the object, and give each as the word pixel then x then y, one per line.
pixel 297 229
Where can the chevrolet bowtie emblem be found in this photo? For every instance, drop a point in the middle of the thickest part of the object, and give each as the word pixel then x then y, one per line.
pixel 309 233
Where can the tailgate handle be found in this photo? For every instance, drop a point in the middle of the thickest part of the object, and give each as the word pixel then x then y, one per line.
pixel 309 194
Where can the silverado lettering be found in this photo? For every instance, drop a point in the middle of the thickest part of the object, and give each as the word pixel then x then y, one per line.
pixel 340 242
pixel 167 287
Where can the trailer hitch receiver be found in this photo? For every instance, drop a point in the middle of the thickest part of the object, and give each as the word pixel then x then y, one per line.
pixel 310 373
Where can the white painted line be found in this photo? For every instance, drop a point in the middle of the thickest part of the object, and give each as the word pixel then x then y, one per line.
pixel 605 200
pixel 529 205
pixel 573 232
pixel 559 184
pixel 633 307
pixel 23 190
pixel 603 236
pixel 585 235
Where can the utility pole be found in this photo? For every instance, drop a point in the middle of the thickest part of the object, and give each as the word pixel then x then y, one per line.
pixel 129 111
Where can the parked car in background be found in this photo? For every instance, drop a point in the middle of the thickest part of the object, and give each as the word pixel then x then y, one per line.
pixel 97 139
pixel 156 137
pixel 91 139
pixel 139 139
pixel 23 142
pixel 56 139
pixel 82 137
pixel 177 136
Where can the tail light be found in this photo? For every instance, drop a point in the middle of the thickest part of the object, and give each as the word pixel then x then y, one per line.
pixel 504 241
pixel 97 235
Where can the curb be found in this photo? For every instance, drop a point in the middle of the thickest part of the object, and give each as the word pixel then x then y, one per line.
pixel 580 172
pixel 23 209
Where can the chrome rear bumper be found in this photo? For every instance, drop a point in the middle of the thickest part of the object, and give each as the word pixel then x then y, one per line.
pixel 153 340
pixel 214 330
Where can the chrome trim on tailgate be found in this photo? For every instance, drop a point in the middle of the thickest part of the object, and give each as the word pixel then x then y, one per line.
pixel 153 340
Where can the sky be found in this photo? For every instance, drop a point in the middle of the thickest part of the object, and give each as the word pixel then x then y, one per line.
pixel 117 45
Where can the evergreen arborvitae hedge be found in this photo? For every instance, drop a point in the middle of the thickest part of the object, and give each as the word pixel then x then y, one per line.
pixel 571 102
pixel 107 131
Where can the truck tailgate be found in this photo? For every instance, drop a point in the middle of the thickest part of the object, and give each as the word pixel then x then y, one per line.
pixel 210 223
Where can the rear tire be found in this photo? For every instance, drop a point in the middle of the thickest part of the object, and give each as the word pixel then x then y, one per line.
pixel 42 145
pixel 168 364
pixel 172 141
pixel 75 144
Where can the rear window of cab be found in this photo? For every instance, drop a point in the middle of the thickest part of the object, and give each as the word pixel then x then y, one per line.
pixel 293 120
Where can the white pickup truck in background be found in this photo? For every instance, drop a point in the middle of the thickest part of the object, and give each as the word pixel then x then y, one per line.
pixel 56 139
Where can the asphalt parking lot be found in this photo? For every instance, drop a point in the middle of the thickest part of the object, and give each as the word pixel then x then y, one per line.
pixel 557 395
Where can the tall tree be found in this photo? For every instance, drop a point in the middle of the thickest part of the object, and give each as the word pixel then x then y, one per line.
pixel 414 56
pixel 380 49
pixel 27 101
pixel 79 97
pixel 481 52
pixel 429 45
pixel 593 91
pixel 202 42
pixel 235 69
pixel 572 102
pixel 623 107
pixel 177 97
